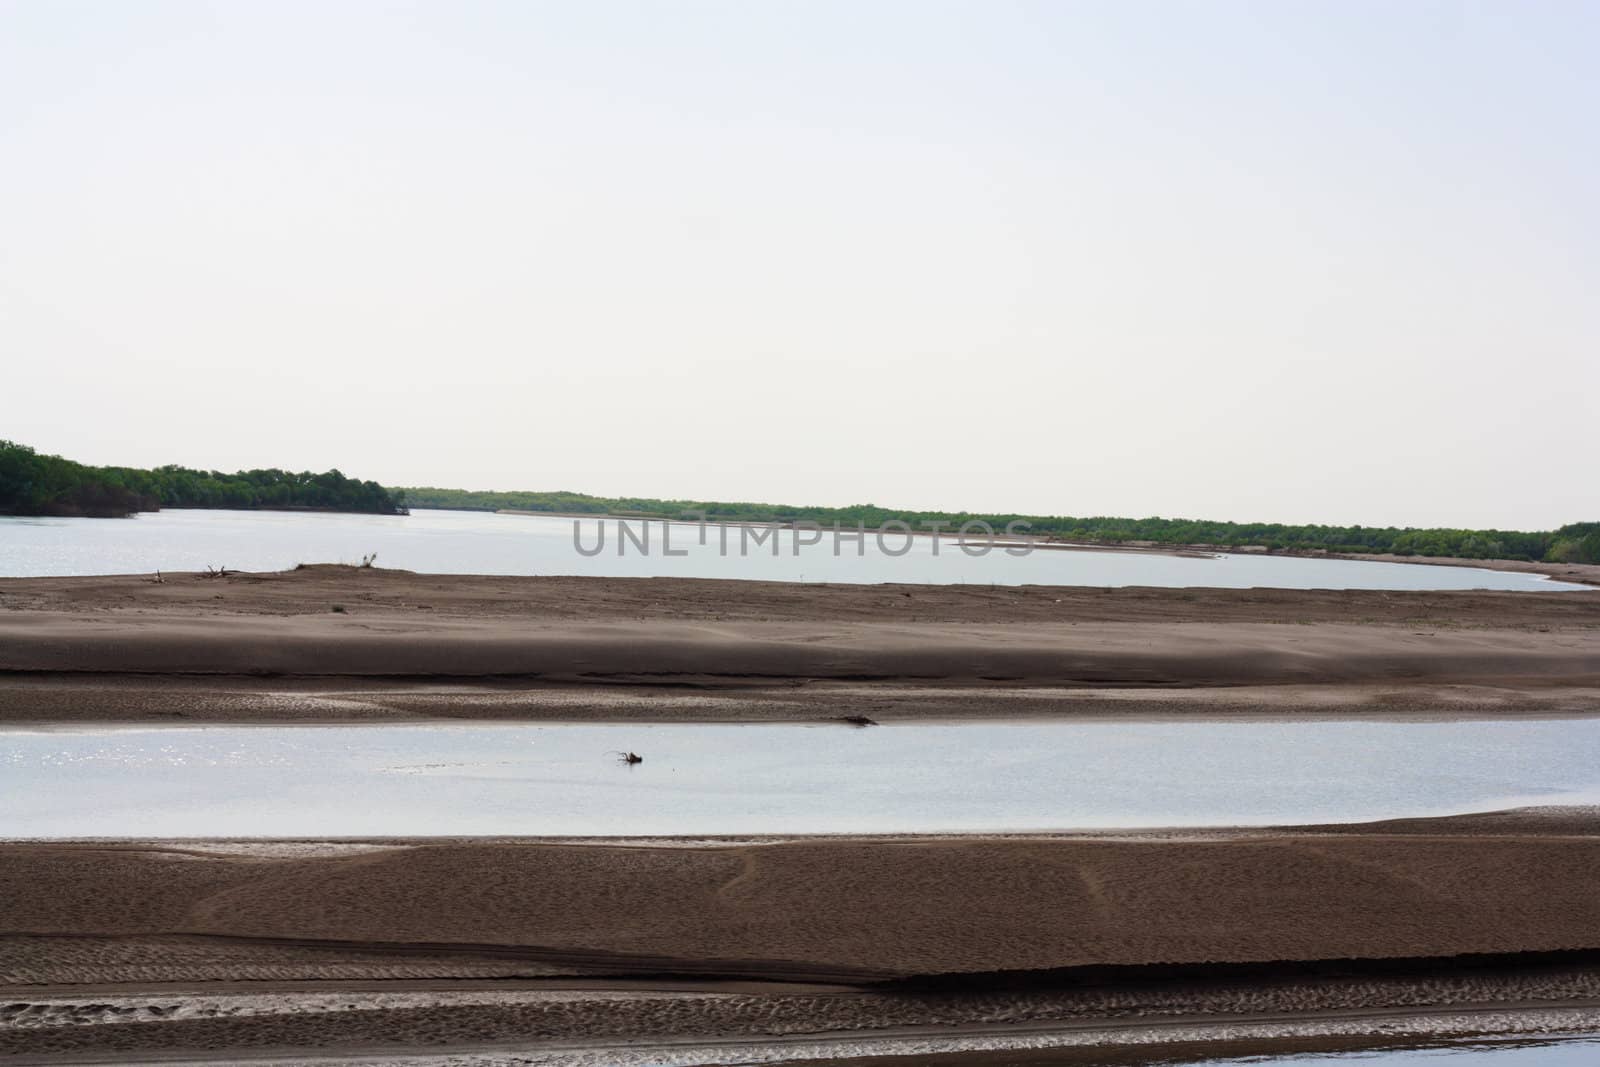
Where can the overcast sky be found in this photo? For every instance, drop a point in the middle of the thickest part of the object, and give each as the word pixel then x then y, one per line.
pixel 1279 261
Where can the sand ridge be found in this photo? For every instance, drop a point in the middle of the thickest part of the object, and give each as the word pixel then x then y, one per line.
pixel 1105 654
pixel 562 952
pixel 268 648
pixel 836 909
pixel 271 648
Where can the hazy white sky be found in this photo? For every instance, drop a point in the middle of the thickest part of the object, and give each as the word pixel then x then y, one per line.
pixel 1281 261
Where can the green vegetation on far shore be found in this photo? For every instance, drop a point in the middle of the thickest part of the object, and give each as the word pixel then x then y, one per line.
pixel 1575 543
pixel 35 484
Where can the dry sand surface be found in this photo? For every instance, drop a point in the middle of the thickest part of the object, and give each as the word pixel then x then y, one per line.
pixel 269 647
pixel 196 945
pixel 836 909
pixel 313 590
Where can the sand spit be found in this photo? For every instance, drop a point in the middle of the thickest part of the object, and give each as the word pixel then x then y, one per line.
pixel 267 648
pixel 1105 655
pixel 314 590
pixel 834 909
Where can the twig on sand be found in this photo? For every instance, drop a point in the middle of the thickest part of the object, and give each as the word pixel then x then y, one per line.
pixel 858 720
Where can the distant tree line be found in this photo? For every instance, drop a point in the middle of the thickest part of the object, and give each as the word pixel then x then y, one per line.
pixel 35 484
pixel 1576 543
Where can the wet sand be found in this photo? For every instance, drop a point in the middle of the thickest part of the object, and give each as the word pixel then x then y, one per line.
pixel 270 648
pixel 511 1023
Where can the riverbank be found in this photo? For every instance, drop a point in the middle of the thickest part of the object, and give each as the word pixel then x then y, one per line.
pixel 140 945
pixel 340 643
pixel 350 644
pixel 832 909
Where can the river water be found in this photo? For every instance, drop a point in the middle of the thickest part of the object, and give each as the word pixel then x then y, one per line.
pixel 460 542
pixel 566 779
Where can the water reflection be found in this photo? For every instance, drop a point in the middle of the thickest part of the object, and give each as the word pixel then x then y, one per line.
pixel 451 542
pixel 723 778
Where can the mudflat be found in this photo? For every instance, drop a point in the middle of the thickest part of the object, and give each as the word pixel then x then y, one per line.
pixel 352 644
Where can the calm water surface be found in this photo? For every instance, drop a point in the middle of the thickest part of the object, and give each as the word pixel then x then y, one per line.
pixel 457 542
pixel 722 778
